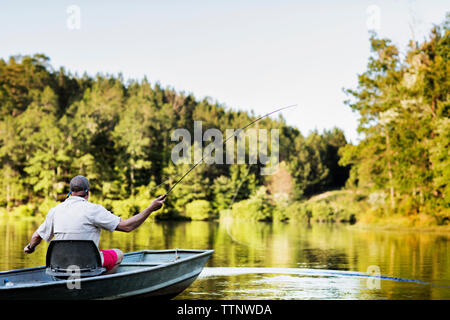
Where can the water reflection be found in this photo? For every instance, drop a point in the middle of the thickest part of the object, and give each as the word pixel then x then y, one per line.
pixel 276 286
pixel 410 255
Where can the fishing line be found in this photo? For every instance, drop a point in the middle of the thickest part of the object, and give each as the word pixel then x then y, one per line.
pixel 227 224
pixel 234 134
pixel 232 271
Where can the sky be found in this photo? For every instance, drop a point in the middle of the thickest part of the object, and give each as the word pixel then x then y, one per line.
pixel 246 55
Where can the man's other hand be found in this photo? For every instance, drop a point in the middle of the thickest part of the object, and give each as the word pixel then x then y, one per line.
pixel 28 250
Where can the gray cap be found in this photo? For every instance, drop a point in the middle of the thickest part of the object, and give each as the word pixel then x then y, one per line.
pixel 79 183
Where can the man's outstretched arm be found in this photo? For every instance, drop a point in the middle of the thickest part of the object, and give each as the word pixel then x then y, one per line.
pixel 133 222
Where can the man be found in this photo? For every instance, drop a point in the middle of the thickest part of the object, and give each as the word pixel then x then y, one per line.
pixel 78 219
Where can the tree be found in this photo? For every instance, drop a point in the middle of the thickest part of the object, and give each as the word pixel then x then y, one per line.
pixel 404 111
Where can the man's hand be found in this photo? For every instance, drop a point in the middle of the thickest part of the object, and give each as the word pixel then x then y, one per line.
pixel 135 221
pixel 157 203
pixel 34 242
pixel 28 249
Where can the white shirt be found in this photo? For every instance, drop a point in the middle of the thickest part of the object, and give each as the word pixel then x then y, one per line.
pixel 77 219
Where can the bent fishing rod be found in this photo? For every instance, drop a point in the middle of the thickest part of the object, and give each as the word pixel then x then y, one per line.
pixel 234 134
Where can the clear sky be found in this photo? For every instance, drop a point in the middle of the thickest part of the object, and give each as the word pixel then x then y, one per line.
pixel 249 55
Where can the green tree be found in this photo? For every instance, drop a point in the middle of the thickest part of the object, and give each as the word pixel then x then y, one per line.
pixel 403 106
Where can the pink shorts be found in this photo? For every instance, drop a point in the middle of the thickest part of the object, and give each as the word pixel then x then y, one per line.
pixel 109 258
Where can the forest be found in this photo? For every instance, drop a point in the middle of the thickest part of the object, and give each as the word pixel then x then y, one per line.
pixel 55 125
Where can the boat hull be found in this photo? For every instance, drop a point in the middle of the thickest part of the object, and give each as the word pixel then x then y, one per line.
pixel 143 274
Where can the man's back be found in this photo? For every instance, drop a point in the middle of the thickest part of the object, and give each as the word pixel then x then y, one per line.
pixel 77 219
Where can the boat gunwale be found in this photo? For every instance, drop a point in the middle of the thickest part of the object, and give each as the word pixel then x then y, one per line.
pixel 150 266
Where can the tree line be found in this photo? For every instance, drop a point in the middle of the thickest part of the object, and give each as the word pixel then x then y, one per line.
pixel 55 125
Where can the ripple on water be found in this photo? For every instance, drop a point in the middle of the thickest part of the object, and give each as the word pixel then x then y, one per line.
pixel 290 283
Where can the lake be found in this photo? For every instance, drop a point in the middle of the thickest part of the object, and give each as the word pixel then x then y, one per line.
pixel 255 260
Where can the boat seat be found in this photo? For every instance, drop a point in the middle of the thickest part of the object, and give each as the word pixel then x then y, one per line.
pixel 67 258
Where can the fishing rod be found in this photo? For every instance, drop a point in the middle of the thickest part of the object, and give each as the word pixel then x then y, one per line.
pixel 236 132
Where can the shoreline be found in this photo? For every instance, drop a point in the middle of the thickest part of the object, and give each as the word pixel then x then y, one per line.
pixel 394 227
pixel 359 225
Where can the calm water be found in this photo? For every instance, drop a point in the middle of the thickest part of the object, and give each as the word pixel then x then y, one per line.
pixel 279 261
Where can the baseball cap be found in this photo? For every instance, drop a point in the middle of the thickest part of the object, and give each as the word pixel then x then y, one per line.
pixel 79 183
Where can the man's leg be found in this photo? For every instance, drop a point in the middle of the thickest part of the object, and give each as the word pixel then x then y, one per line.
pixel 118 261
pixel 111 260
